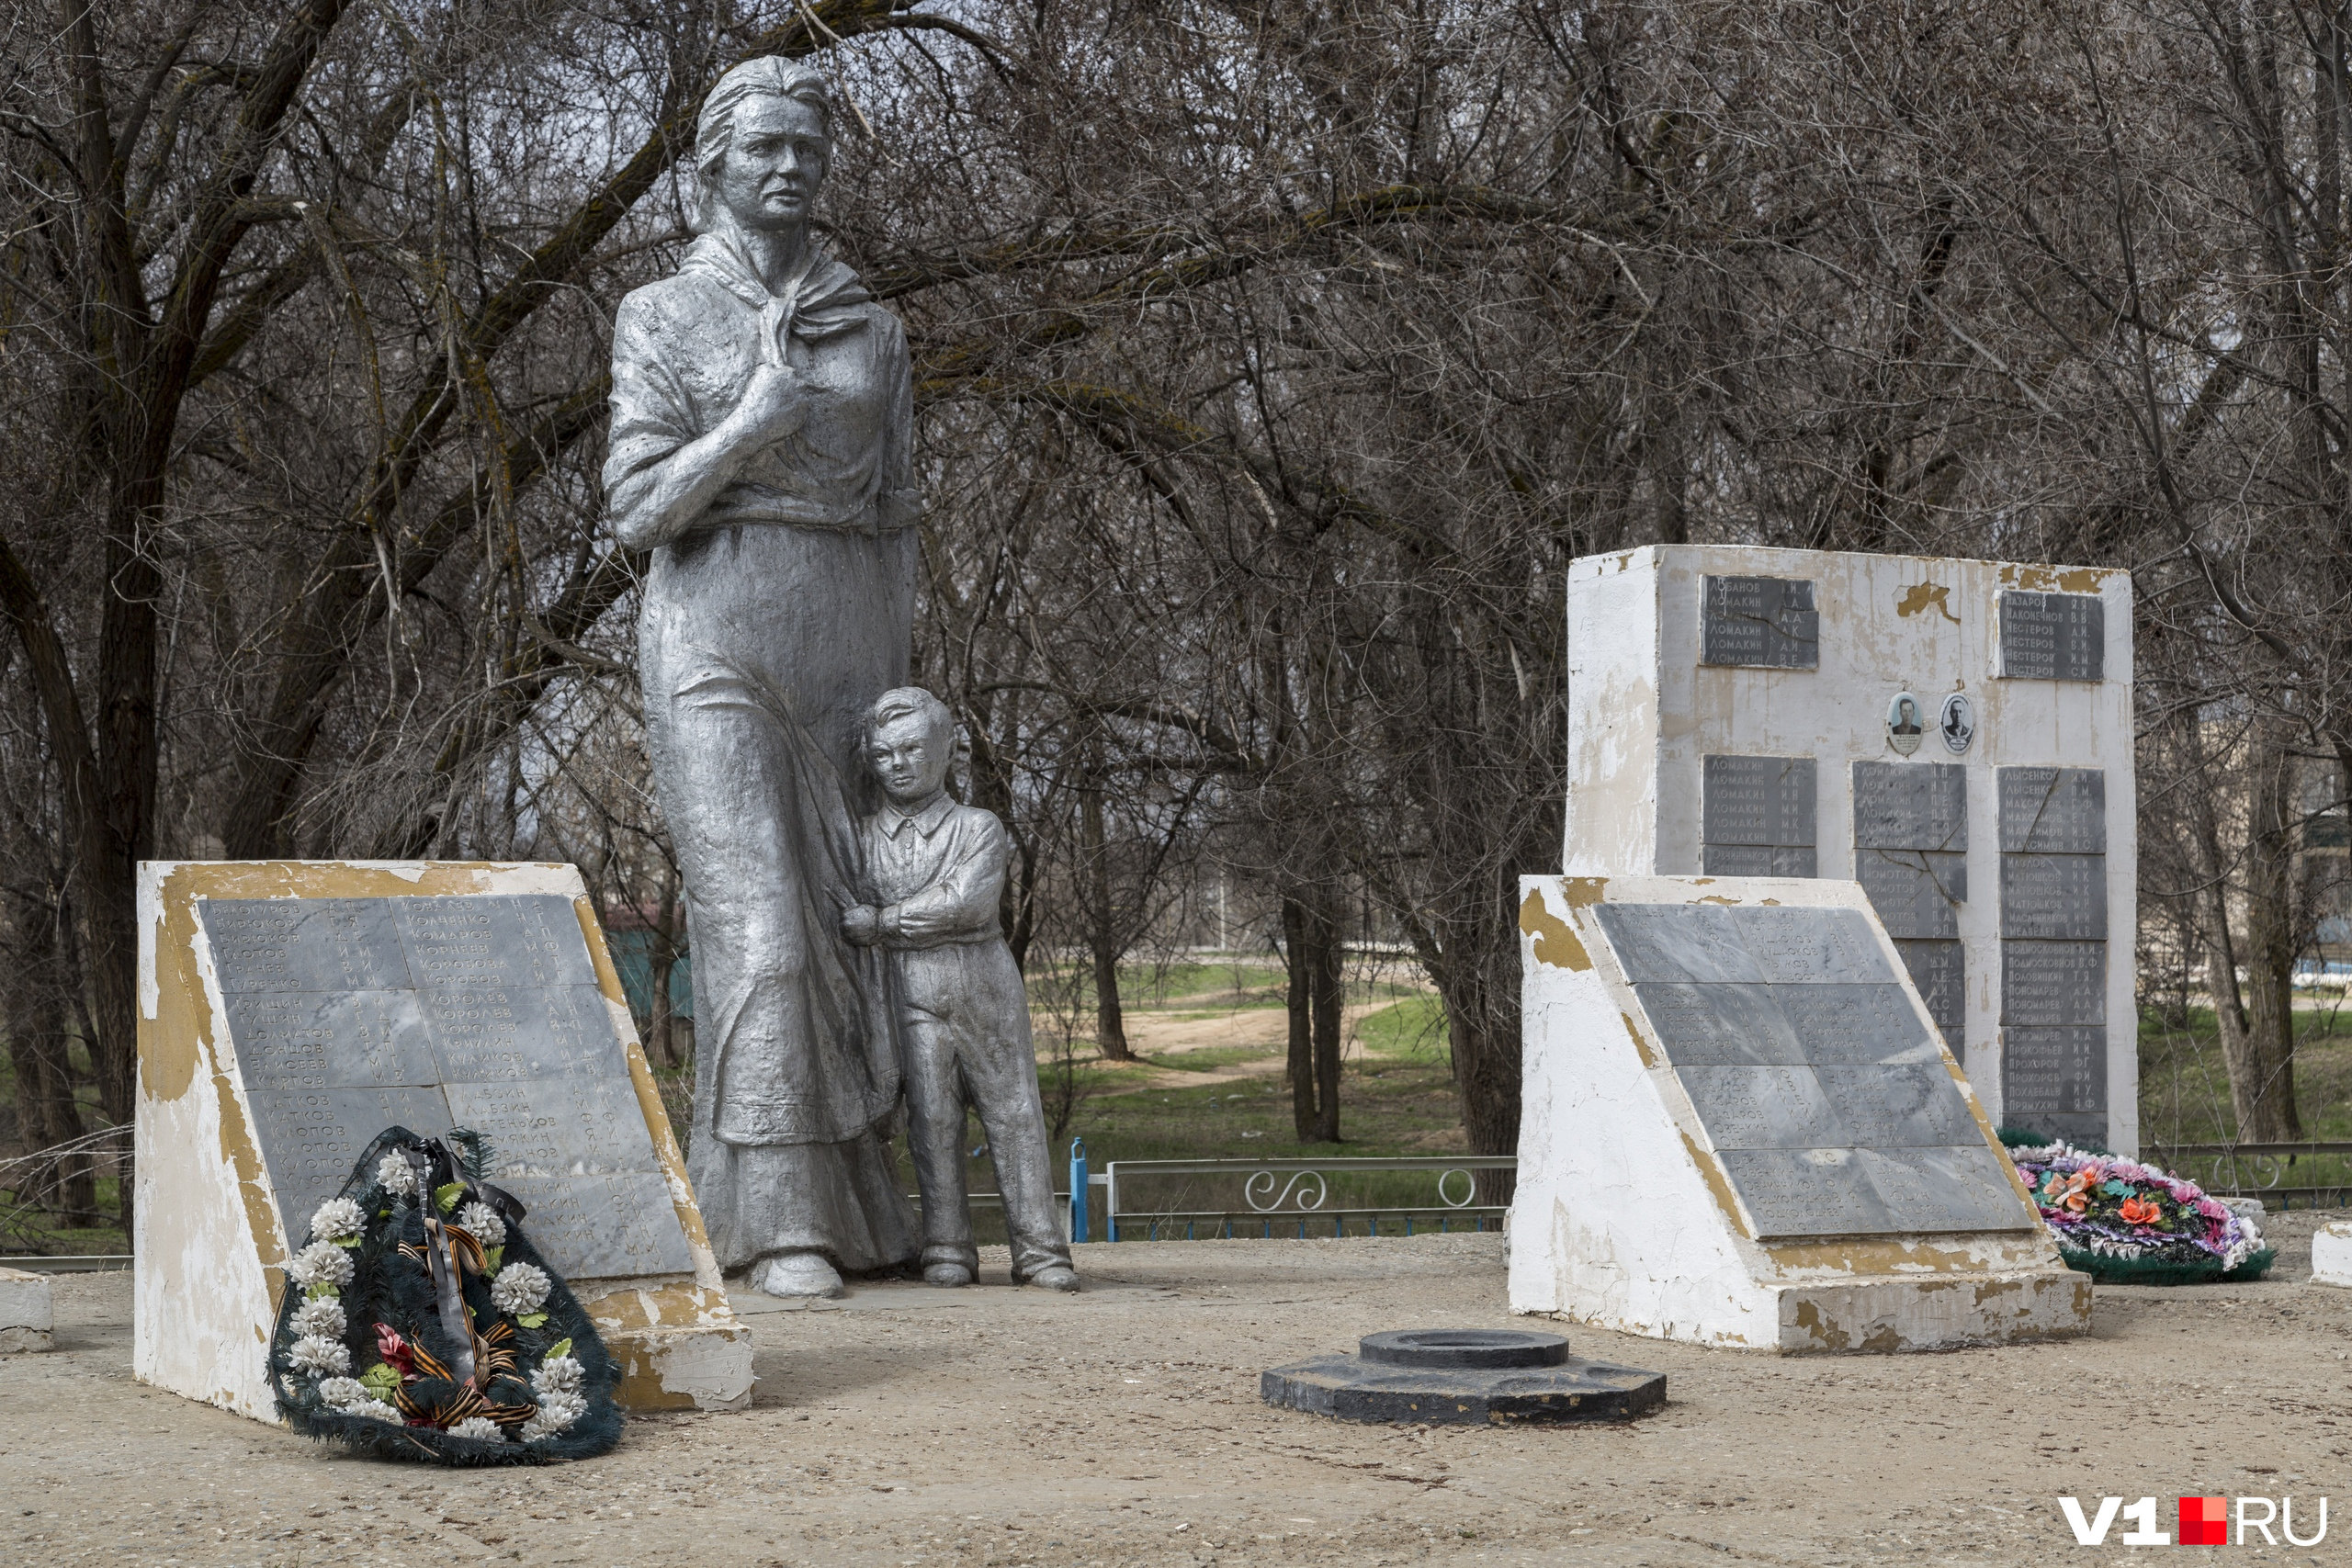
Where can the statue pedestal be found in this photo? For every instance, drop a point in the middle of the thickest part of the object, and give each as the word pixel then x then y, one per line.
pixel 291 1011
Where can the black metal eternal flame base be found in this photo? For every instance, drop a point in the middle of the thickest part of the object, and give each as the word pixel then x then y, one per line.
pixel 1464 1376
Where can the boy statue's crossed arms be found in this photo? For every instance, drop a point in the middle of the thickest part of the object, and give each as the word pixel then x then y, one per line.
pixel 935 868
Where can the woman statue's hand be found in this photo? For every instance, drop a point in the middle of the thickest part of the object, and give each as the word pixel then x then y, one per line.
pixel 773 406
pixel 862 925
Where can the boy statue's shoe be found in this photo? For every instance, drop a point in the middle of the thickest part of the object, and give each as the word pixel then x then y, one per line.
pixel 947 1276
pixel 1055 1277
pixel 797 1274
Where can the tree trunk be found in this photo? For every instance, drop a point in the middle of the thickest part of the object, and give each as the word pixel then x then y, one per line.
pixel 2262 1081
pixel 662 1026
pixel 1298 1002
pixel 1110 1025
pixel 1327 991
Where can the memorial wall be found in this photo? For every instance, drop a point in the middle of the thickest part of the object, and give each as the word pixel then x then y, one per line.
pixel 1889 720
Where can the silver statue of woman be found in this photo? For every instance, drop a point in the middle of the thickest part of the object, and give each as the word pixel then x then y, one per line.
pixel 761 448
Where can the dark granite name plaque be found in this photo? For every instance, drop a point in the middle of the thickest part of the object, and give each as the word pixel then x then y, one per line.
pixel 1910 855
pixel 1755 817
pixel 2053 637
pixel 2053 811
pixel 1765 621
pixel 1806 1061
pixel 1911 805
pixel 1939 971
pixel 350 1015
pixel 2054 950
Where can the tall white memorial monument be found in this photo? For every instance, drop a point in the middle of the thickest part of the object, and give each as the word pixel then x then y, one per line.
pixel 1848 882
pixel 1742 712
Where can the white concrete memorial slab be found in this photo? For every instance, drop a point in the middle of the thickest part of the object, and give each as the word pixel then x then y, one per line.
pixel 290 1011
pixel 1741 1127
pixel 1735 712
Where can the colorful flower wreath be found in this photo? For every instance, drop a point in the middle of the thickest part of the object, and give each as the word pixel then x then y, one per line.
pixel 466 1348
pixel 2124 1223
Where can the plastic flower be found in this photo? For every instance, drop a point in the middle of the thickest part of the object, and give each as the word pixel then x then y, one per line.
pixel 2141 1211
pixel 320 1357
pixel 2075 1192
pixel 556 1412
pixel 321 1316
pixel 519 1289
pixel 341 1394
pixel 557 1374
pixel 337 1218
pixel 377 1410
pixel 482 1223
pixel 394 1175
pixel 321 1263
pixel 481 1428
pixel 395 1350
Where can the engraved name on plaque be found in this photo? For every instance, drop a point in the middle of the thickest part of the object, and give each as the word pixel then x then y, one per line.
pixel 1755 817
pixel 2053 637
pixel 350 1015
pixel 2054 949
pixel 1817 1082
pixel 1766 621
pixel 1910 855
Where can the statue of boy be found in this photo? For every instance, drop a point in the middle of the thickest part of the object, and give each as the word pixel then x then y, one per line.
pixel 936 869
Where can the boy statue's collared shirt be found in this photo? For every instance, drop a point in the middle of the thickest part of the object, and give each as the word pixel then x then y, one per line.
pixel 936 872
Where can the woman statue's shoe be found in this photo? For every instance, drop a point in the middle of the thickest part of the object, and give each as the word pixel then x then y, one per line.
pixel 1054 1277
pixel 797 1274
pixel 947 1276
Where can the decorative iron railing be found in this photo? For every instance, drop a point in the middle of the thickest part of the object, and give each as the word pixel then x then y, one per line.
pixel 1289 1196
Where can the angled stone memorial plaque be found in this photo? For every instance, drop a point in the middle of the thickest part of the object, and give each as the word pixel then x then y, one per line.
pixel 328 1001
pixel 1815 1171
pixel 2053 637
pixel 1767 621
pixel 1757 817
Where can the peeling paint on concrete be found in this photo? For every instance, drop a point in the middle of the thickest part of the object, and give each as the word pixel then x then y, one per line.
pixel 1925 596
pixel 1554 943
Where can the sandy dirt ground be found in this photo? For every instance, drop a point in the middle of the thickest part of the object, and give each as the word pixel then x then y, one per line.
pixel 993 1425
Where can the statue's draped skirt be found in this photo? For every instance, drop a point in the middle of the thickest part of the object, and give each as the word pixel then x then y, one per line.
pixel 760 648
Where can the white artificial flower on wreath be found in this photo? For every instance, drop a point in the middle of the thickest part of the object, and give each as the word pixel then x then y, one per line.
pixel 377 1410
pixel 518 1289
pixel 342 1394
pixel 320 1357
pixel 481 1428
pixel 321 1262
pixel 556 1412
pixel 557 1374
pixel 481 1221
pixel 395 1177
pixel 337 1218
pixel 322 1316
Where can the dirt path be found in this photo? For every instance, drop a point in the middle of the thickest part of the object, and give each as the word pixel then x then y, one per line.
pixel 1176 1032
pixel 992 1425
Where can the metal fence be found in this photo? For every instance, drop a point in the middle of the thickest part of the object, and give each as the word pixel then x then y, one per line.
pixel 2257 1170
pixel 1152 1200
